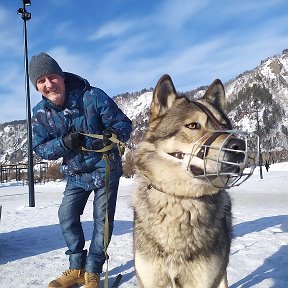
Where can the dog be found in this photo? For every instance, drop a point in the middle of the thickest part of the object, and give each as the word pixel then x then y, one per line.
pixel 188 156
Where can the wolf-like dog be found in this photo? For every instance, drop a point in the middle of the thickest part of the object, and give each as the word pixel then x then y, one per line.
pixel 182 213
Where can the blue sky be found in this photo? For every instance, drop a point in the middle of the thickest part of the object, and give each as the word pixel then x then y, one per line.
pixel 126 45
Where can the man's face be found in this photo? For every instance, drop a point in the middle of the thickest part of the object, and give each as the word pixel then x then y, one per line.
pixel 52 87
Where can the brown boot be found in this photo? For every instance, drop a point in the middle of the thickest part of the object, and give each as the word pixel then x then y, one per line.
pixel 92 280
pixel 69 278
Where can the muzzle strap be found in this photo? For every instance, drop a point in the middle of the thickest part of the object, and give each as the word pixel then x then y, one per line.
pixel 205 147
pixel 210 115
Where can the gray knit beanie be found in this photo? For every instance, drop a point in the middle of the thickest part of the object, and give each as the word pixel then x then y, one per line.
pixel 42 64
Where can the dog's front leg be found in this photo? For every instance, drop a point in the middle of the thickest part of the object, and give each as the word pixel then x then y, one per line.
pixel 149 272
pixel 224 281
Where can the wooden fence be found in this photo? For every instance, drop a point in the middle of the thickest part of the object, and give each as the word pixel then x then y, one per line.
pixel 19 172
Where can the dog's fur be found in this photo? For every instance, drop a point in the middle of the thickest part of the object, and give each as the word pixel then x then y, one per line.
pixel 182 225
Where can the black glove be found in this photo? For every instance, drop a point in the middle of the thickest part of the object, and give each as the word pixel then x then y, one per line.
pixel 106 135
pixel 73 140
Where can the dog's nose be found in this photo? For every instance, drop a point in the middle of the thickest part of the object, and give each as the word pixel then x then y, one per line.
pixel 236 152
pixel 236 144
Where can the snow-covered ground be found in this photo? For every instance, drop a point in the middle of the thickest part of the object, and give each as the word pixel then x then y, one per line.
pixel 32 248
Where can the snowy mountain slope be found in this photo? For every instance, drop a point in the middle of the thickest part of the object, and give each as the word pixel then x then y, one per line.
pixel 272 73
pixel 13 143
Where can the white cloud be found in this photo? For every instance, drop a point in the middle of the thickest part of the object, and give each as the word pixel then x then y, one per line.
pixel 65 30
pixel 174 14
pixel 11 35
pixel 112 29
pixel 250 6
pixel 3 15
pixel 12 93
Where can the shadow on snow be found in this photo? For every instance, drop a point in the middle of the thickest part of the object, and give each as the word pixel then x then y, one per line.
pixel 29 242
pixel 274 266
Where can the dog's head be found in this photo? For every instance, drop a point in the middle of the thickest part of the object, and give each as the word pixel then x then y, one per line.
pixel 196 136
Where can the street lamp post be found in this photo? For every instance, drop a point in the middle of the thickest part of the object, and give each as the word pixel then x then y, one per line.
pixel 259 147
pixel 27 16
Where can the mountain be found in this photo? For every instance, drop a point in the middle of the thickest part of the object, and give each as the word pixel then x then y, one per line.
pixel 262 91
pixel 13 143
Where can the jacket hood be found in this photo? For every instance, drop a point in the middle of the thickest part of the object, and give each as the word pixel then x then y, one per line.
pixel 73 81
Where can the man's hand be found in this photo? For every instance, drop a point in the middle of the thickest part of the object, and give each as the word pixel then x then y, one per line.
pixel 73 140
pixel 106 135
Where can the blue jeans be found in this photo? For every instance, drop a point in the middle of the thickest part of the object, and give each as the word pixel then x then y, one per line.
pixel 70 210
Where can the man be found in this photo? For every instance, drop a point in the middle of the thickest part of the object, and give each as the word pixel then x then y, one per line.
pixel 69 108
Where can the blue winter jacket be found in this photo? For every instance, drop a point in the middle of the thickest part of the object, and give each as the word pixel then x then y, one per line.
pixel 86 109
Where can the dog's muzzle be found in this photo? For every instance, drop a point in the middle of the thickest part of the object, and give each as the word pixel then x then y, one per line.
pixel 232 162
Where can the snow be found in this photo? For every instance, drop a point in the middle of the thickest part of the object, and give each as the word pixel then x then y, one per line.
pixel 139 105
pixel 32 248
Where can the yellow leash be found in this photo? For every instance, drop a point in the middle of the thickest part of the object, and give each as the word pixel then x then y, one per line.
pixel 106 229
pixel 104 150
pixel 115 141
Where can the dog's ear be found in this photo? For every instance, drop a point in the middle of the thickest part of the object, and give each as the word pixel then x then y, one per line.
pixel 163 97
pixel 215 95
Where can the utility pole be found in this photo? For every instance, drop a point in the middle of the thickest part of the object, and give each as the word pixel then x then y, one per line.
pixel 27 16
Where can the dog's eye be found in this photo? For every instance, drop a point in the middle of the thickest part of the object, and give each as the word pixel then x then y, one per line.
pixel 193 125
